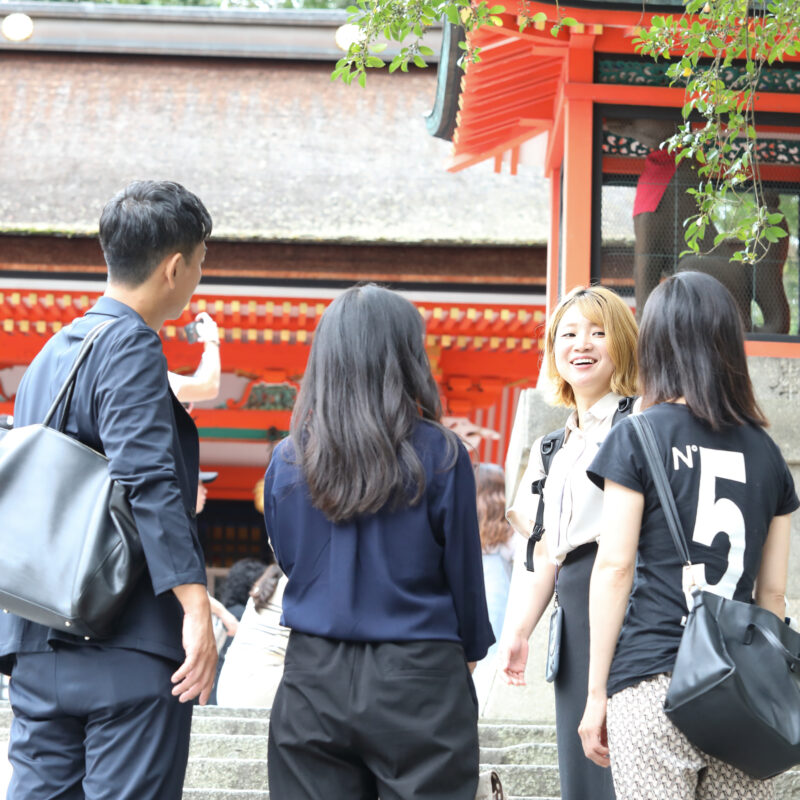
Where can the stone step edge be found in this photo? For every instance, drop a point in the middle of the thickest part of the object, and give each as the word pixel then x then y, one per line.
pixel 222 736
pixel 258 793
pixel 222 715
pixel 224 794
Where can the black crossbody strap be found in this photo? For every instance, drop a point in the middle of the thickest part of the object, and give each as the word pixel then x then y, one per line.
pixel 69 383
pixel 645 433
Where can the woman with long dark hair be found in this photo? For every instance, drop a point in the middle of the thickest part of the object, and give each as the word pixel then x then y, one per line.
pixel 370 509
pixel 734 494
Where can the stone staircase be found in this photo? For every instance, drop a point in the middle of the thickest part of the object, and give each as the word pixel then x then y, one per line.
pixel 229 746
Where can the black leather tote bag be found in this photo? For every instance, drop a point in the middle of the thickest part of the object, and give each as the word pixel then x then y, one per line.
pixel 735 687
pixel 70 553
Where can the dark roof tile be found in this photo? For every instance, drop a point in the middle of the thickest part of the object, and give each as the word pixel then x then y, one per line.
pixel 275 149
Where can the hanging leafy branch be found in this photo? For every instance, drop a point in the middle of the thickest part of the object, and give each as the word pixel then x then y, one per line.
pixel 374 22
pixel 718 49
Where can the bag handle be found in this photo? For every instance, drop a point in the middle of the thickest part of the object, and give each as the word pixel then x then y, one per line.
pixel 773 640
pixel 69 384
pixel 648 441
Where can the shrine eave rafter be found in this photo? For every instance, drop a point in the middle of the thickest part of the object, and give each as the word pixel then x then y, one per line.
pixel 524 79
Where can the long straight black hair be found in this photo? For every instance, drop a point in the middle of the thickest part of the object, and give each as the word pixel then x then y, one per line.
pixel 691 345
pixel 367 383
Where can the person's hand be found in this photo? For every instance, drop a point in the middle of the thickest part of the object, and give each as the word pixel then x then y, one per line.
pixel 207 329
pixel 195 677
pixel 592 730
pixel 224 616
pixel 513 659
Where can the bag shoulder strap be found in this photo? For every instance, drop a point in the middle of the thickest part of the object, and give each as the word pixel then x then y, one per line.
pixel 624 409
pixel 648 440
pixel 66 390
pixel 550 445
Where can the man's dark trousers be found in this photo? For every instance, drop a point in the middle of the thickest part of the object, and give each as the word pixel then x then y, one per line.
pixel 135 747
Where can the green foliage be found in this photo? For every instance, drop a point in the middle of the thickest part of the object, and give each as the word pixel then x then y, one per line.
pixel 381 21
pixel 701 45
pixel 257 4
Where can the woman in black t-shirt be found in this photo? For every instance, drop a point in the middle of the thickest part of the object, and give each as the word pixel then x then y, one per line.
pixel 734 495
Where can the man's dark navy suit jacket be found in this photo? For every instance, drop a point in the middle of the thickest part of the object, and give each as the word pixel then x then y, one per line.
pixel 123 407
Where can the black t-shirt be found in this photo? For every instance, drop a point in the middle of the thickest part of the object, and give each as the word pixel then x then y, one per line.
pixel 728 486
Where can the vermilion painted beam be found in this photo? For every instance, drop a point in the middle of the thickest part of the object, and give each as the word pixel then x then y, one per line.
pixel 664 96
pixel 517 112
pixel 506 126
pixel 499 70
pixel 779 173
pixel 554 244
pixel 485 94
pixel 509 53
pixel 489 147
pixel 463 160
pixel 234 482
pixel 772 349
pixel 504 115
pixel 620 165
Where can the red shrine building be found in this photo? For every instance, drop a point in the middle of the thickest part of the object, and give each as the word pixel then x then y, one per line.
pixel 551 155
pixel 312 185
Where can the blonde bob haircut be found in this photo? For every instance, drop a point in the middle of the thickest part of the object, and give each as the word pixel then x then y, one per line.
pixel 607 309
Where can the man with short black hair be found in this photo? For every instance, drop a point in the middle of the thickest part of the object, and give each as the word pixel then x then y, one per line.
pixel 110 719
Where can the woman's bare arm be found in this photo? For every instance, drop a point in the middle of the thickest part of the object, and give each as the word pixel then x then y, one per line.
pixel 771 581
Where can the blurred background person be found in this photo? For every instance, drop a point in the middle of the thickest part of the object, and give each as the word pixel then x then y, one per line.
pixel 233 597
pixel 496 543
pixel 254 661
pixel 497 554
pixel 204 383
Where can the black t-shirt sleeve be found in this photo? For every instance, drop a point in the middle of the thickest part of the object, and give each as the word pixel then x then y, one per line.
pixel 789 501
pixel 619 459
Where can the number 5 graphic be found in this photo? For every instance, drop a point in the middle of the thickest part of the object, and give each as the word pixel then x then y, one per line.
pixel 720 516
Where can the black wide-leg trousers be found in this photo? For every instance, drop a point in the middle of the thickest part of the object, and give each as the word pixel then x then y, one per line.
pixel 357 720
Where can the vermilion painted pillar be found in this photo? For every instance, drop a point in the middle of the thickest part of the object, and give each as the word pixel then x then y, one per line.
pixel 576 198
pixel 553 239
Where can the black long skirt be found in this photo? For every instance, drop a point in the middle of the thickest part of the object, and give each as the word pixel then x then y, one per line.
pixel 581 779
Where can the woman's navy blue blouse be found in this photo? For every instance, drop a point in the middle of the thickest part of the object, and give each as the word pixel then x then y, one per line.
pixel 411 574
